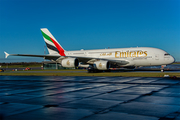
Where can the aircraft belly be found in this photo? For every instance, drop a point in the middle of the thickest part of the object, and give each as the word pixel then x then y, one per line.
pixel 142 62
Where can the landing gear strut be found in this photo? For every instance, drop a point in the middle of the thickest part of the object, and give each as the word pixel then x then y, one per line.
pixel 91 70
pixel 162 68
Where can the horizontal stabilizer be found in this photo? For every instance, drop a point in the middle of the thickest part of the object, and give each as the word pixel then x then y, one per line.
pixel 6 54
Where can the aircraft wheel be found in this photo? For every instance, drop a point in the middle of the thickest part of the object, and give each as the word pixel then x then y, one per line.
pixel 90 71
pixel 93 71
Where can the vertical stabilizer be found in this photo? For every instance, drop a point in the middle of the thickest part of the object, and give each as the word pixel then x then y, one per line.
pixel 52 44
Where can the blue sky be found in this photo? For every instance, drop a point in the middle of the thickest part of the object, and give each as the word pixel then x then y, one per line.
pixel 88 24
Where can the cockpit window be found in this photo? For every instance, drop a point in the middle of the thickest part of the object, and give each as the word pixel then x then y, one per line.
pixel 166 54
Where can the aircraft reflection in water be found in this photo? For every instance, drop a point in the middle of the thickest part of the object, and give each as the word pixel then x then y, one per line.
pixel 102 59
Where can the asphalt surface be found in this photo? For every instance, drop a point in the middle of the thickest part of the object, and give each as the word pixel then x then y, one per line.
pixel 87 98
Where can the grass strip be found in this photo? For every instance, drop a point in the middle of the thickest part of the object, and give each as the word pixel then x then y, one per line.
pixel 105 74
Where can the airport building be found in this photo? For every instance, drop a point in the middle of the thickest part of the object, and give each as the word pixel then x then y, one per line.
pixel 53 65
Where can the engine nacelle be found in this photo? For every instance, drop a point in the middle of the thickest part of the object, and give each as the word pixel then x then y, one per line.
pixel 101 65
pixel 83 65
pixel 70 62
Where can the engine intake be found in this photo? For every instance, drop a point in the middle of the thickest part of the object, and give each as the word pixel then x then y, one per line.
pixel 70 62
pixel 101 65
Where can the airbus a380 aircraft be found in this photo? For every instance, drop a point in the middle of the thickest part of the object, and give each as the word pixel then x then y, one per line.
pixel 102 59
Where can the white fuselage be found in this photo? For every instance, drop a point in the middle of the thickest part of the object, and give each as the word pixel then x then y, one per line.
pixel 140 56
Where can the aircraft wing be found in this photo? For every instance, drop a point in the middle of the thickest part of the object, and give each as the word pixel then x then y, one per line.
pixel 30 55
pixel 90 60
pixel 87 60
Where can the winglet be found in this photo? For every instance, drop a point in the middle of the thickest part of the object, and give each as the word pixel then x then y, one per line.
pixel 6 54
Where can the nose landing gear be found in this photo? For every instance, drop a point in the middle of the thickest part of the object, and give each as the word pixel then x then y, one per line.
pixel 162 68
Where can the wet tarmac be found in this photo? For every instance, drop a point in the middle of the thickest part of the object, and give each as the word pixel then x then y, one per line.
pixel 87 98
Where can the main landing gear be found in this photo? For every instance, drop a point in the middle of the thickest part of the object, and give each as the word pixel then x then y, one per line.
pixel 92 70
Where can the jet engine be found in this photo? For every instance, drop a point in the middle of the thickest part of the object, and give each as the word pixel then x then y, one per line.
pixel 101 65
pixel 70 62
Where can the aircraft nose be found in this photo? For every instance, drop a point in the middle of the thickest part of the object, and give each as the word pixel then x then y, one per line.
pixel 172 59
